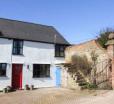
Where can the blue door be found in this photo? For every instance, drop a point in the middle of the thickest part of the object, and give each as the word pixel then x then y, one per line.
pixel 58 76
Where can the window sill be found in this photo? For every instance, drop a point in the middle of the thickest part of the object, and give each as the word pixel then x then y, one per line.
pixel 18 54
pixel 41 77
pixel 3 77
pixel 60 56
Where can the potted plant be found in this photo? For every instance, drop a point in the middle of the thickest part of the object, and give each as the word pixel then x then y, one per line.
pixel 8 88
pixel 32 87
pixel 5 90
pixel 27 87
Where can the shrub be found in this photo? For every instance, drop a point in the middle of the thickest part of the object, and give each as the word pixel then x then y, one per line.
pixel 91 86
pixel 80 63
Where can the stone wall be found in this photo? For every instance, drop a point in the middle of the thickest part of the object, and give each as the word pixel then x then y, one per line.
pixel 86 49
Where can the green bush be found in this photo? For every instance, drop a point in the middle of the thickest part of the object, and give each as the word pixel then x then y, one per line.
pixel 91 86
pixel 80 63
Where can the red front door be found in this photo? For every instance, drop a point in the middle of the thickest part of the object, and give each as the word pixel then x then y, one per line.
pixel 17 76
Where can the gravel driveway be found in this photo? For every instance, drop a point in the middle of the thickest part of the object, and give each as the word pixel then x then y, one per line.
pixel 57 96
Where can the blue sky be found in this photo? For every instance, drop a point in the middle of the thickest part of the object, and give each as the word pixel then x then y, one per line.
pixel 76 20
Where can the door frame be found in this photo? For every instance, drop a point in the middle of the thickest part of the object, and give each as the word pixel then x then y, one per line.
pixel 21 80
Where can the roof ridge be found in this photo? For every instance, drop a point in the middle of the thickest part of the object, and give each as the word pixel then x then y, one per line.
pixel 22 21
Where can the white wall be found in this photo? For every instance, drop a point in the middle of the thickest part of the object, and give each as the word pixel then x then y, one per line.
pixel 38 82
pixel 33 53
pixel 5 57
pixel 59 60
pixel 5 50
pixel 37 53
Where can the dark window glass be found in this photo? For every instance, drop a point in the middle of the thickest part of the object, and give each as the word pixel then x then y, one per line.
pixel 17 47
pixel 41 70
pixel 3 67
pixel 59 50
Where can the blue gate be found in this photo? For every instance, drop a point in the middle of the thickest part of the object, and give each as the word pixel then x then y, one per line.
pixel 58 76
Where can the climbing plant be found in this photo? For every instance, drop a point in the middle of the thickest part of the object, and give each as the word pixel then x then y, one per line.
pixel 80 63
pixel 94 57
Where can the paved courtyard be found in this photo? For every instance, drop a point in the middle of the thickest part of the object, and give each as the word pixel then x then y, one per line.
pixel 57 96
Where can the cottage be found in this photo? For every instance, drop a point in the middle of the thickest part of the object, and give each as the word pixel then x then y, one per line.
pixel 29 53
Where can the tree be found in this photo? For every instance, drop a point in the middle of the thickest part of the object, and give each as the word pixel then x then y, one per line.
pixel 103 36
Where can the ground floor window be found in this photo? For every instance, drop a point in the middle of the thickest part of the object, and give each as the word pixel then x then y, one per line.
pixel 41 70
pixel 3 69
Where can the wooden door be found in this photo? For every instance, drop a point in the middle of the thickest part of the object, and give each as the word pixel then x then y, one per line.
pixel 58 76
pixel 17 76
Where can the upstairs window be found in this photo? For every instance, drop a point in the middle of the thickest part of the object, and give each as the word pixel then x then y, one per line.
pixel 60 50
pixel 17 47
pixel 3 67
pixel 41 70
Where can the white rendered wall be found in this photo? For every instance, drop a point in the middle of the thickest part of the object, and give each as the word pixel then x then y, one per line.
pixel 59 60
pixel 37 53
pixel 5 57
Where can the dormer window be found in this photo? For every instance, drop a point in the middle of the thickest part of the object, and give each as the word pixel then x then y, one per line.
pixel 17 47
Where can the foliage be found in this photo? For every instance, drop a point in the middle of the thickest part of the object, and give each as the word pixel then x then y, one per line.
pixel 94 58
pixel 80 63
pixel 91 86
pixel 103 37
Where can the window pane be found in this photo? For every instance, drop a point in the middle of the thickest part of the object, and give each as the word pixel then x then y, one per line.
pixel 0 65
pixel 59 50
pixel 21 51
pixel 57 53
pixel 3 66
pixel 14 51
pixel 20 44
pixel 14 44
pixel 61 53
pixel 3 69
pixel 48 71
pixel 41 70
pixel 36 71
pixel 17 47
pixel 2 72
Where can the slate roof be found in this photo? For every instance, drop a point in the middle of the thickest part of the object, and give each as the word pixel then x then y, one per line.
pixel 30 31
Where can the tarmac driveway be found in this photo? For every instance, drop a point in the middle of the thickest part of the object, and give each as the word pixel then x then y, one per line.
pixel 57 96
